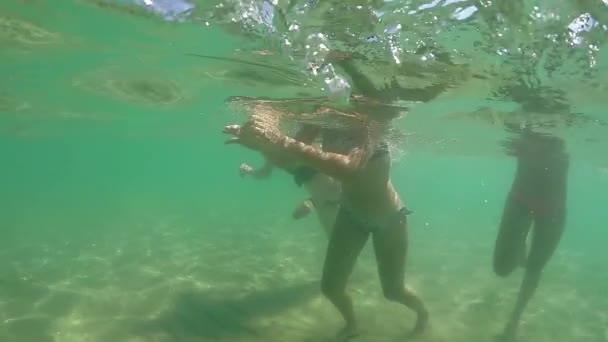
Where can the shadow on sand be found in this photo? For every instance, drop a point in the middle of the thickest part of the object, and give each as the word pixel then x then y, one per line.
pixel 203 316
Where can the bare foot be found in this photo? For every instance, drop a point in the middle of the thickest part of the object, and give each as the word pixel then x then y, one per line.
pixel 422 323
pixel 245 170
pixel 508 335
pixel 504 337
pixel 347 333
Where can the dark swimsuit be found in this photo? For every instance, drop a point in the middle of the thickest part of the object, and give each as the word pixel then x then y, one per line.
pixel 374 224
pixel 302 174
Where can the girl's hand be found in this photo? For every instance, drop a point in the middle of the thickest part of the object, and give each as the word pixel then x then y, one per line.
pixel 245 170
pixel 258 133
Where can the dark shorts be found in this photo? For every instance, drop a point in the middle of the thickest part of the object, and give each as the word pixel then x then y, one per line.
pixel 303 174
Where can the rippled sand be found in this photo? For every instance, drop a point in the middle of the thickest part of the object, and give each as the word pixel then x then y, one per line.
pixel 165 279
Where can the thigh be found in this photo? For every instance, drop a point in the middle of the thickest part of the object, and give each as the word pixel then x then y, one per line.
pixel 345 244
pixel 390 247
pixel 327 213
pixel 511 239
pixel 548 231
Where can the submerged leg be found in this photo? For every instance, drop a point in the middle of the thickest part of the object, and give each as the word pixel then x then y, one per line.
pixel 546 237
pixel 345 245
pixel 510 245
pixel 326 214
pixel 390 246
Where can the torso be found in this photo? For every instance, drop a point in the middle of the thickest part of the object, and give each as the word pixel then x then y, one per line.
pixel 371 191
pixel 541 169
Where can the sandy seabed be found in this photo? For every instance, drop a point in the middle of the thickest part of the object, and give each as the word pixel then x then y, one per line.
pixel 170 280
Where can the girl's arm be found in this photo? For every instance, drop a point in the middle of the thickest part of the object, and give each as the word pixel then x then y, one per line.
pixel 335 165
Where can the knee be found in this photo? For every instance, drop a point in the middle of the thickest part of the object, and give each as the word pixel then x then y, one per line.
pixel 394 294
pixel 502 263
pixel 330 290
pixel 502 269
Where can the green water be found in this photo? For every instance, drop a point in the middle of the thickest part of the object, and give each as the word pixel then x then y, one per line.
pixel 123 218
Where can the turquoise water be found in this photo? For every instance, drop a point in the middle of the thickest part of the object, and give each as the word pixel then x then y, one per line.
pixel 123 217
